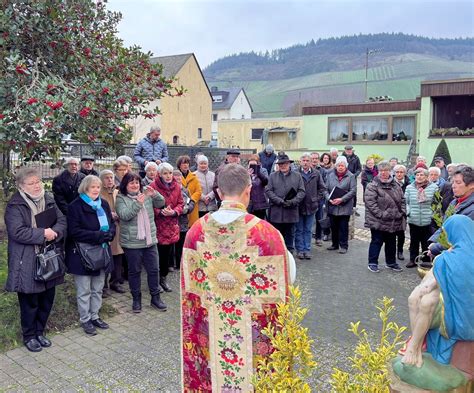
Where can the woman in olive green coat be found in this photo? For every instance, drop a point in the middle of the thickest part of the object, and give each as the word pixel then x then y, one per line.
pixel 135 206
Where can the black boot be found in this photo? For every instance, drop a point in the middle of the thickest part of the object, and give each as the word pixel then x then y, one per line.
pixel 137 302
pixel 165 285
pixel 158 303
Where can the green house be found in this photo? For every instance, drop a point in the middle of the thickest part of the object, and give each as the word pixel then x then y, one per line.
pixel 402 129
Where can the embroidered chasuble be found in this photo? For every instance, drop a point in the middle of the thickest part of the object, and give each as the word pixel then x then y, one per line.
pixel 232 277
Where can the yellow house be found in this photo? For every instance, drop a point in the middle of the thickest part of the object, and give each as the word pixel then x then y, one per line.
pixel 185 120
pixel 283 133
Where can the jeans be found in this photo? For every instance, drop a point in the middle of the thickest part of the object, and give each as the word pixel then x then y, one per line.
pixel 418 235
pixel 288 233
pixel 149 258
pixel 34 312
pixel 303 235
pixel 400 240
pixel 89 295
pixel 165 252
pixel 376 243
pixel 340 231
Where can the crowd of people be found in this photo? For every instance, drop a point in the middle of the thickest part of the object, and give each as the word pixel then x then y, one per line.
pixel 141 219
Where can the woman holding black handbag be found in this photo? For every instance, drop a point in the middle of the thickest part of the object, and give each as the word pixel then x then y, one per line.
pixel 25 241
pixel 90 226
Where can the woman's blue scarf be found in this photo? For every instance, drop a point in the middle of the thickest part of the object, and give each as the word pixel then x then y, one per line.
pixel 97 207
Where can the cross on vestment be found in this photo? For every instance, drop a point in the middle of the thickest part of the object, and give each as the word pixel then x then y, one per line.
pixel 233 282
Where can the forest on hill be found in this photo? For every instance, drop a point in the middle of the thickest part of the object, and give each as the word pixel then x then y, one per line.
pixel 335 54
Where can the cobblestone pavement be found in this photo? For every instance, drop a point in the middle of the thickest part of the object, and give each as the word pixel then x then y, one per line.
pixel 141 352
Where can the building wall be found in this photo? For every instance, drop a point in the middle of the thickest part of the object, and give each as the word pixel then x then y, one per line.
pixel 182 116
pixel 240 108
pixel 461 149
pixel 238 133
pixel 315 136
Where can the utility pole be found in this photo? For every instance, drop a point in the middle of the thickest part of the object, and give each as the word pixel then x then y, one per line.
pixel 367 53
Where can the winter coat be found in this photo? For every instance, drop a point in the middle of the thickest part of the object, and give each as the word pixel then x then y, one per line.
pixel 83 226
pixel 419 213
pixel 324 173
pixel 267 160
pixel 385 207
pixel 446 191
pixel 127 209
pixel 348 184
pixel 65 189
pixel 191 182
pixel 89 172
pixel 315 188
pixel 279 185
pixel 258 199
pixel 148 150
pixel 111 198
pixel 183 219
pixel 367 176
pixel 353 164
pixel 167 228
pixel 206 180
pixel 405 183
pixel 444 173
pixel 22 239
pixel 465 208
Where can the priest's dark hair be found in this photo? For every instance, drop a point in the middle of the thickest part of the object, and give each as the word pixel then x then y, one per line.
pixel 233 179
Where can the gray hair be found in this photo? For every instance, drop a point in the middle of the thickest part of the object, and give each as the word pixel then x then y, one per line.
pixel 384 165
pixel 151 165
pixel 165 166
pixel 342 160
pixel 400 166
pixel 425 171
pixel 202 158
pixel 451 165
pixel 26 172
pixel 420 158
pixel 155 128
pixel 120 162
pixel 87 182
pixel 435 169
pixel 104 173
pixel 69 160
pixel 306 155
pixel 333 149
pixel 125 158
pixel 269 148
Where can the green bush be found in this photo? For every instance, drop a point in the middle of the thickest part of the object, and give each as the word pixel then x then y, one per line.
pixel 63 316
pixel 442 151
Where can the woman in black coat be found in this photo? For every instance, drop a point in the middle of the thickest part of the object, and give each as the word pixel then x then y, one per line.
pixel 258 204
pixel 36 298
pixel 85 226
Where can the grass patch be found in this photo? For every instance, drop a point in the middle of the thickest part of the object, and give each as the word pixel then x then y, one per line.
pixel 63 316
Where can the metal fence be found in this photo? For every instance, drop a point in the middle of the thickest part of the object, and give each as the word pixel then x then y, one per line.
pixel 51 167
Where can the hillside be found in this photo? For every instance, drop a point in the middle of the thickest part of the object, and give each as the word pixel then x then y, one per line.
pixel 334 54
pixel 390 73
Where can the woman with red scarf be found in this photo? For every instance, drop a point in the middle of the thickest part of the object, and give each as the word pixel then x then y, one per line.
pixel 419 196
pixel 340 208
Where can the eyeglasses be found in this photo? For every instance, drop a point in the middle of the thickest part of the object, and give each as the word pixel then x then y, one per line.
pixel 31 184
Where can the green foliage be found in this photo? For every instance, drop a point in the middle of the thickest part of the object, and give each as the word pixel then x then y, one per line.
pixel 64 314
pixel 439 217
pixel 376 157
pixel 442 151
pixel 292 360
pixel 369 364
pixel 65 71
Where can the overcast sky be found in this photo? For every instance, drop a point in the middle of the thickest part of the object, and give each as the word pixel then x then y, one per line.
pixel 215 28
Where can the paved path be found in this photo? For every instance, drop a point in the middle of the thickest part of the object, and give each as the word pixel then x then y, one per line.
pixel 141 352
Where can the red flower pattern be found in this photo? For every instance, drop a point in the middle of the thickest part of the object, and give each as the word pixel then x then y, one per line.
pixel 223 230
pixel 229 356
pixel 259 281
pixel 228 307
pixel 207 255
pixel 199 275
pixel 244 259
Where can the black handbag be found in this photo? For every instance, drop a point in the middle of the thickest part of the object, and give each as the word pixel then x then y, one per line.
pixel 325 221
pixel 94 257
pixel 49 264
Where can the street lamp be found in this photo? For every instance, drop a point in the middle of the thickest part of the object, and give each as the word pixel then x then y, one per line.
pixel 367 53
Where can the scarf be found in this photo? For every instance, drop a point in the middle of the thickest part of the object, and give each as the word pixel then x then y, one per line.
pixel 340 175
pixel 36 205
pixel 143 223
pixel 421 191
pixel 99 210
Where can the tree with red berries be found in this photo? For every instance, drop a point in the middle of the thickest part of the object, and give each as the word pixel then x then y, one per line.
pixel 65 71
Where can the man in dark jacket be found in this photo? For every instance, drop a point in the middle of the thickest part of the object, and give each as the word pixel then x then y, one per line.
pixel 314 188
pixel 463 202
pixel 267 158
pixel 354 167
pixel 66 184
pixel 285 192
pixel 87 166
pixel 385 212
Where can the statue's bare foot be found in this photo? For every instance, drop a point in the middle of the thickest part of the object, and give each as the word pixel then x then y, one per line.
pixel 413 358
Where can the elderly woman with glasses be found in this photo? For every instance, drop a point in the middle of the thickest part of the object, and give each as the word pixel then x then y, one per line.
pixel 25 237
pixel 151 169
